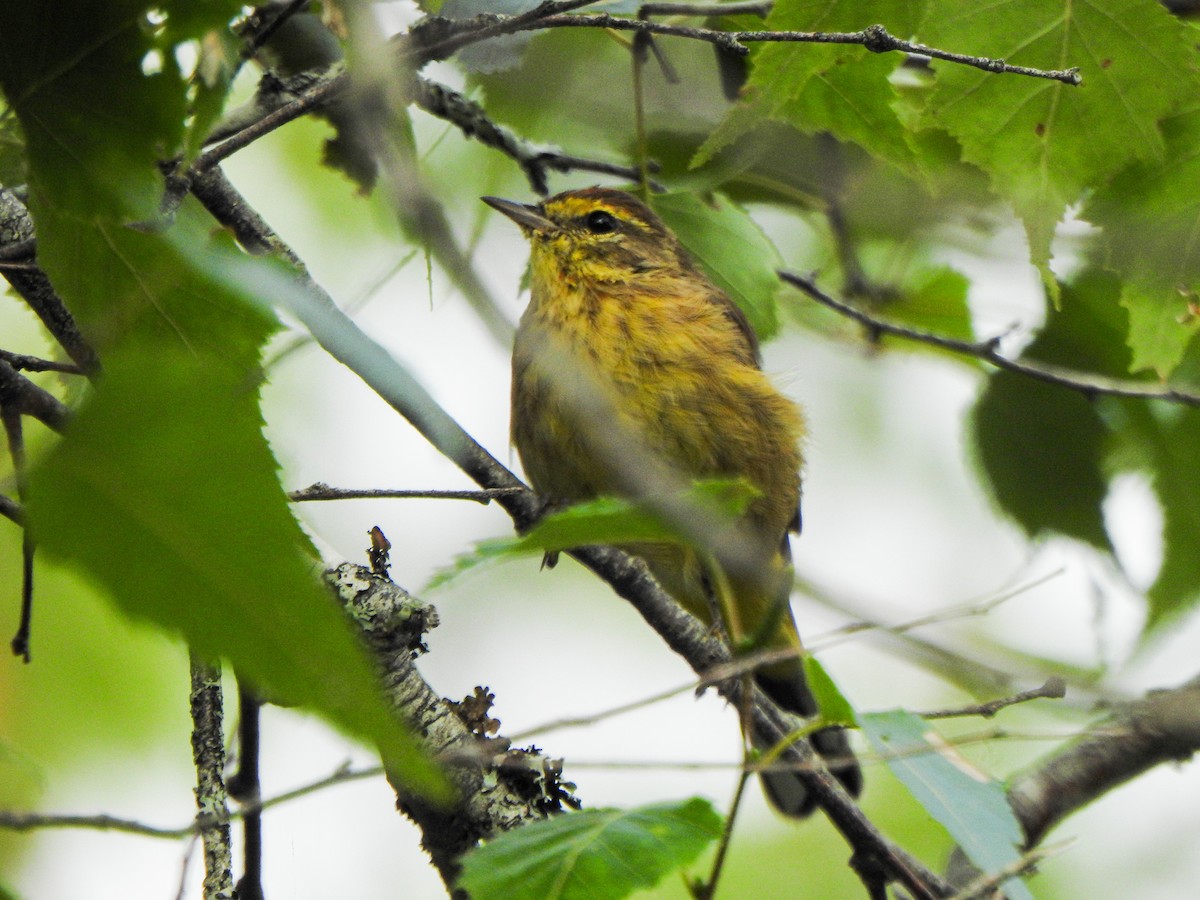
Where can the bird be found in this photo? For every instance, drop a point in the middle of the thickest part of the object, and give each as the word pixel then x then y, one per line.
pixel 632 373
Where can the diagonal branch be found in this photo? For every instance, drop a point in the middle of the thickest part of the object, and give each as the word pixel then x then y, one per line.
pixel 21 395
pixel 16 231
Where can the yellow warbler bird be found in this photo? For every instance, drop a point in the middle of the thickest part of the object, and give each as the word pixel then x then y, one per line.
pixel 634 374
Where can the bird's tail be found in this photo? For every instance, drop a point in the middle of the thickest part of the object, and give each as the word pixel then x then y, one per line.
pixel 786 791
pixel 756 609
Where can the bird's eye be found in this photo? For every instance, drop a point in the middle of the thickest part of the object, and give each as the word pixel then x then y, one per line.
pixel 601 222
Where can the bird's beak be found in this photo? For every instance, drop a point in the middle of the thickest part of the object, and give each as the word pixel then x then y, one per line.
pixel 528 217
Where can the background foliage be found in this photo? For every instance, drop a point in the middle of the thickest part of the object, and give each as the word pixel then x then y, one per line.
pixel 1059 220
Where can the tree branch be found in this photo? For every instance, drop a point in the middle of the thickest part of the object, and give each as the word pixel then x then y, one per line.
pixel 208 753
pixel 455 35
pixel 24 363
pixel 1163 726
pixel 16 228
pixel 20 394
pixel 499 788
pixel 1086 383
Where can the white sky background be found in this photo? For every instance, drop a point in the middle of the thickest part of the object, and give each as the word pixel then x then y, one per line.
pixel 894 520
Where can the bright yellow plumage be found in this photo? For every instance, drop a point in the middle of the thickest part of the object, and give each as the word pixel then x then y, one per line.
pixel 633 372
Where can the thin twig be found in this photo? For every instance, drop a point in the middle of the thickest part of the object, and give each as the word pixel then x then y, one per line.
pixel 1055 688
pixel 320 491
pixel 23 363
pixel 435 38
pixel 959 611
pixel 10 414
pixel 774 761
pixel 327 85
pixel 245 786
pixel 19 393
pixel 1087 383
pixel 986 885
pixel 757 8
pixel 875 38
pixel 605 714
pixel 473 121
pixel 708 889
pixel 20 821
pixel 11 820
pixel 12 510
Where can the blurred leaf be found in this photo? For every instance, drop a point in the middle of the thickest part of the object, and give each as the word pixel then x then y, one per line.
pixel 1177 460
pixel 732 249
pixel 935 300
pixel 164 489
pixel 1043 447
pixel 1164 442
pixel 601 854
pixel 100 98
pixel 1150 217
pixel 498 53
pixel 215 68
pixel 1088 332
pixel 575 112
pixel 835 708
pixel 12 151
pixel 972 807
pixel 1043 142
pixel 606 520
pixel 95 124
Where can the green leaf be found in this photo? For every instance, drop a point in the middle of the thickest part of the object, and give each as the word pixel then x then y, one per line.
pixel 733 250
pixel 844 90
pixel 606 520
pixel 1043 142
pixel 1150 220
pixel 164 490
pixel 972 807
pixel 601 854
pixel 835 708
